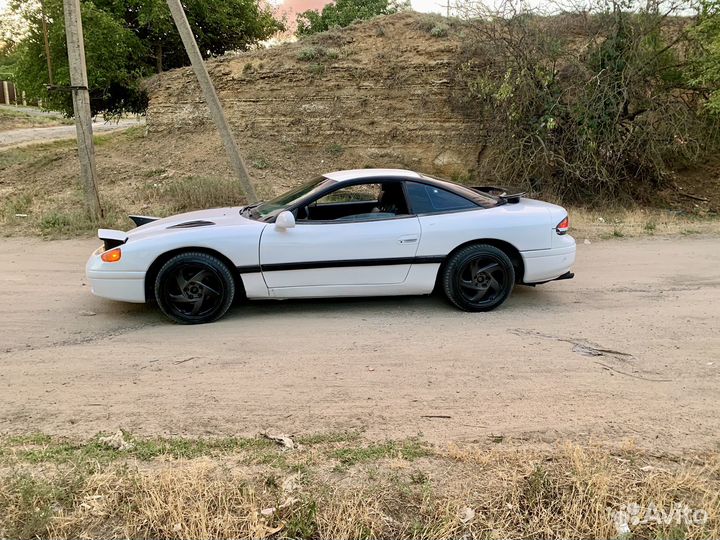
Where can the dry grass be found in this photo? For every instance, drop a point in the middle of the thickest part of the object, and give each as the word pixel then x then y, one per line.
pixel 255 490
pixel 11 118
pixel 48 201
pixel 53 208
pixel 620 222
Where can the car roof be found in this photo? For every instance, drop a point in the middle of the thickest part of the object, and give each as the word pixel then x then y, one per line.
pixel 359 174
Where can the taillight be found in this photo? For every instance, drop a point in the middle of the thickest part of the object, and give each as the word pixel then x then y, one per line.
pixel 111 256
pixel 563 226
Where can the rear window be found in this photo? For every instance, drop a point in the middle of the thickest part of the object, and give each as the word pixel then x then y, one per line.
pixel 427 199
pixel 481 199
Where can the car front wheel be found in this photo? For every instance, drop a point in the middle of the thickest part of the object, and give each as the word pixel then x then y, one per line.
pixel 194 288
pixel 478 277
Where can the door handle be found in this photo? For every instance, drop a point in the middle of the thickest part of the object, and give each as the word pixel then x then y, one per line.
pixel 409 239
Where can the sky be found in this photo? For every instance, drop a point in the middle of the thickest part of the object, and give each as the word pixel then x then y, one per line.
pixel 292 7
pixel 419 5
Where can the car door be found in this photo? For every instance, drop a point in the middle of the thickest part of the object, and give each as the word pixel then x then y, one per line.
pixel 360 250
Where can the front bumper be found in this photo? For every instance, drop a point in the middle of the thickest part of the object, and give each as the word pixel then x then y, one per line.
pixel 107 282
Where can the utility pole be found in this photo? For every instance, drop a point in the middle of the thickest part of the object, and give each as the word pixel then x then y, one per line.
pixel 81 105
pixel 211 98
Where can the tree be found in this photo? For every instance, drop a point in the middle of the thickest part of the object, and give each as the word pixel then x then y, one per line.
pixel 127 40
pixel 343 13
pixel 12 30
pixel 219 26
pixel 708 66
pixel 586 105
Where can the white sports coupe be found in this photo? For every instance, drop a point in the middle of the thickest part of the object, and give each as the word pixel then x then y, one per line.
pixel 367 232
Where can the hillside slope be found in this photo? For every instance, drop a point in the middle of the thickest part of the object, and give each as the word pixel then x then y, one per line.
pixel 374 94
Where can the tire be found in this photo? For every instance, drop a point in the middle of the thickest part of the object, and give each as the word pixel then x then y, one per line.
pixel 478 277
pixel 194 288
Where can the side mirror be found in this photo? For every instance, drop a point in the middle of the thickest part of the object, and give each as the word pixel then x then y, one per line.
pixel 285 220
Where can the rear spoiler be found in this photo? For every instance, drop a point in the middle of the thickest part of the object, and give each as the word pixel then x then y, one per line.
pixel 142 220
pixel 508 195
pixel 112 238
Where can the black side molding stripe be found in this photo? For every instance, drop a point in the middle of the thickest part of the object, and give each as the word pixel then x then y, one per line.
pixel 311 265
pixel 248 269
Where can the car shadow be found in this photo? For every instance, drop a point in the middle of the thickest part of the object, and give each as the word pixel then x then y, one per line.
pixel 140 315
pixel 521 298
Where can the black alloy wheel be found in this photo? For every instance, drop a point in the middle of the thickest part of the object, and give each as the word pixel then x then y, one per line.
pixel 478 277
pixel 194 288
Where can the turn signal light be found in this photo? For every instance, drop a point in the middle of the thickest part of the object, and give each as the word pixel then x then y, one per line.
pixel 563 226
pixel 112 256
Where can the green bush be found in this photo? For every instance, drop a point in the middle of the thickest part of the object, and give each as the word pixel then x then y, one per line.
pixel 707 67
pixel 439 30
pixel 607 110
pixel 343 13
pixel 308 54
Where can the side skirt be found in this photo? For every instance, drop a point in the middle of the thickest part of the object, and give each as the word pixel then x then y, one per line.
pixel 420 280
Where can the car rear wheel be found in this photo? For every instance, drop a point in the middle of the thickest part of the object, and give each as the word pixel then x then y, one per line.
pixel 478 277
pixel 194 288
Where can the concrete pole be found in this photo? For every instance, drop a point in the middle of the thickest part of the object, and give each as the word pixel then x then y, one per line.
pixel 211 99
pixel 81 105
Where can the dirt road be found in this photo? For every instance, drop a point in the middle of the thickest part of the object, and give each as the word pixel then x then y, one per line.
pixel 27 136
pixel 74 364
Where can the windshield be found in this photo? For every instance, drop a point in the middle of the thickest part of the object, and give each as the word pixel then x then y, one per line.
pixel 273 207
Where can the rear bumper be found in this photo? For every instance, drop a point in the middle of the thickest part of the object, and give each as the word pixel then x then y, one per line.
pixel 113 284
pixel 546 265
pixel 566 275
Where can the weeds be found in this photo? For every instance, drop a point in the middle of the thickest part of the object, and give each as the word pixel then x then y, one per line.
pixel 410 450
pixel 193 192
pixel 604 112
pixel 10 118
pixel 439 31
pixel 70 223
pixel 308 53
pixel 461 491
pixel 329 438
pixel 336 150
pixel 34 501
pixel 636 222
pixel 40 448
pixel 17 204
pixel 316 69
pixel 314 53
pixel 260 163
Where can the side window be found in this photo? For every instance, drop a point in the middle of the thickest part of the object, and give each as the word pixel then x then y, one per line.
pixel 426 199
pixel 352 194
pixel 359 202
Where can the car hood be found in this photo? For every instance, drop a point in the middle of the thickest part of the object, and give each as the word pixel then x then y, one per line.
pixel 214 217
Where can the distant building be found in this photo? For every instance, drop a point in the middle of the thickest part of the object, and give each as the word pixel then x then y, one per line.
pixel 290 9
